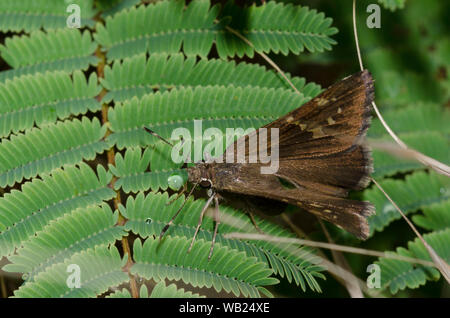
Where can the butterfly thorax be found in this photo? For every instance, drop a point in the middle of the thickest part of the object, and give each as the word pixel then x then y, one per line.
pixel 216 174
pixel 201 173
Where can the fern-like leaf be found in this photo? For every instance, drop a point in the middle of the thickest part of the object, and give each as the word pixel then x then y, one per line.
pixel 197 26
pixel 159 291
pixel 424 117
pixel 111 7
pixel 171 291
pixel 25 212
pixel 132 169
pixel 430 143
pixel 56 50
pixel 41 150
pixel 28 15
pixel 100 269
pixel 435 217
pixel 146 31
pixel 43 98
pixel 219 107
pixel 415 192
pixel 137 76
pixel 227 270
pixel 147 216
pixel 296 28
pixel 79 230
pixel 397 275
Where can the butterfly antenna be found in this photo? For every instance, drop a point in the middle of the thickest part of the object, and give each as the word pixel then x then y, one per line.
pixel 164 230
pixel 200 220
pixel 151 132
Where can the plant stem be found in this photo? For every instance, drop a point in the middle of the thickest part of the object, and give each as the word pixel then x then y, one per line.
pixel 343 275
pixel 440 264
pixel 438 166
pixel 111 160
pixel 3 286
pixel 342 248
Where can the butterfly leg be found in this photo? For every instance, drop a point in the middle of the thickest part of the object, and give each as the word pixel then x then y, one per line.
pixel 216 227
pixel 200 220
pixel 252 218
pixel 164 230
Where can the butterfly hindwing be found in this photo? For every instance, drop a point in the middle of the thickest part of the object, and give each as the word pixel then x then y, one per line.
pixel 348 214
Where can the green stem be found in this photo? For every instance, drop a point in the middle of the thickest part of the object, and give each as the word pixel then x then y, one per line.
pixel 111 160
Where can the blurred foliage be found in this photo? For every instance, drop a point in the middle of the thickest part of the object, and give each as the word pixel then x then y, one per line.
pixel 409 57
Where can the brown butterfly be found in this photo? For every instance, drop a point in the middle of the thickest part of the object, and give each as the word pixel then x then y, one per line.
pixel 321 157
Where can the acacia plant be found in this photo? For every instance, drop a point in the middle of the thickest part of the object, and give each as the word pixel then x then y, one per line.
pixel 83 183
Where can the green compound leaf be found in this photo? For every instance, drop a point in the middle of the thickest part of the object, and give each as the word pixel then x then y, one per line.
pixel 43 98
pixel 219 107
pixel 424 117
pixel 77 231
pixel 41 150
pixel 132 169
pixel 111 7
pixel 100 268
pixel 228 269
pixel 435 217
pixel 171 291
pixel 275 27
pixel 56 50
pixel 197 26
pixel 146 31
pixel 433 144
pixel 25 212
pixel 417 191
pixel 147 216
pixel 397 275
pixel 138 76
pixel 29 15
pixel 159 291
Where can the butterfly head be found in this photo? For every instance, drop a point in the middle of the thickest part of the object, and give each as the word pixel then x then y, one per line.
pixel 201 173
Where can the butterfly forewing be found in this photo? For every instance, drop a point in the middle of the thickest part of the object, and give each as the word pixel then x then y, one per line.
pixel 331 123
